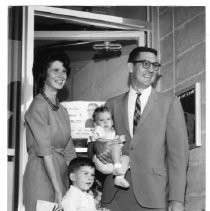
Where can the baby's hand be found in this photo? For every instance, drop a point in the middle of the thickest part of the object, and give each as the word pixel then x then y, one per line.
pixel 122 138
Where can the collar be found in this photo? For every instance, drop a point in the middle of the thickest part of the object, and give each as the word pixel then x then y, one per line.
pixel 146 91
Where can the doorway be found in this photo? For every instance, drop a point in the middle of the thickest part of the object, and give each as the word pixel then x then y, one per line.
pixel 104 27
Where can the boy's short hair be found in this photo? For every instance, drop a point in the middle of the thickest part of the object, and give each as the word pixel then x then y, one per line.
pixel 100 109
pixel 78 162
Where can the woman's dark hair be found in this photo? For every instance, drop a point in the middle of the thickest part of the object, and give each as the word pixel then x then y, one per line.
pixel 42 62
pixel 78 162
pixel 100 109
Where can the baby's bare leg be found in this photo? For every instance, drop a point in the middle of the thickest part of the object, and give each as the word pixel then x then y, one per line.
pixel 125 162
pixel 120 173
pixel 116 153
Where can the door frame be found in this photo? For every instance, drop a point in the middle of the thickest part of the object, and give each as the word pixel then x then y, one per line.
pixel 135 29
pixel 139 36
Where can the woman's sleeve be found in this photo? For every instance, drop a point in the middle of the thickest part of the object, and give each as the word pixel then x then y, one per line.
pixel 70 152
pixel 37 121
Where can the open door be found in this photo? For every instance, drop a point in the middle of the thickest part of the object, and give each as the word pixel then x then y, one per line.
pixel 123 28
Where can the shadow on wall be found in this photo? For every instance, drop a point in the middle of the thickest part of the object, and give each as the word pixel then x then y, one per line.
pixel 106 55
pixel 64 94
pixel 14 115
pixel 14 103
pixel 158 77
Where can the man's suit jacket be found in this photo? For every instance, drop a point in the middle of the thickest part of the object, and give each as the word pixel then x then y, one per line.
pixel 158 150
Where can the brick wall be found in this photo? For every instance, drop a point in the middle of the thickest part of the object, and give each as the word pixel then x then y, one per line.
pixel 181 39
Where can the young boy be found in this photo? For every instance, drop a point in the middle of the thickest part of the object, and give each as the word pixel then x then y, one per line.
pixel 79 196
pixel 104 131
pixel 81 173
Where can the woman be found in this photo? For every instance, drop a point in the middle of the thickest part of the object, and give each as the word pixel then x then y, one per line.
pixel 48 137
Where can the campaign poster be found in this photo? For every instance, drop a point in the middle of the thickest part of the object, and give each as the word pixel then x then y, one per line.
pixel 80 115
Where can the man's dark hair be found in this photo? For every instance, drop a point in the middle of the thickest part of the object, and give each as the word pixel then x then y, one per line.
pixel 100 109
pixel 136 51
pixel 78 162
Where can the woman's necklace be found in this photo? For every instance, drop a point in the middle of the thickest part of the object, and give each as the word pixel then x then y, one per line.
pixel 53 106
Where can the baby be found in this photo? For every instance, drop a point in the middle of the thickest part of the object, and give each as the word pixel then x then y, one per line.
pixel 104 132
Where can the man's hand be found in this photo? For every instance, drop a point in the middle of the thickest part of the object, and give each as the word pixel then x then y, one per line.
pixel 103 150
pixel 175 206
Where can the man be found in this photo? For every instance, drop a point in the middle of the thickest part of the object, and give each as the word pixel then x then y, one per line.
pixel 158 148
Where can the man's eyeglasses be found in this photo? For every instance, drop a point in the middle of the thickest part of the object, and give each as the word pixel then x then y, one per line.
pixel 147 64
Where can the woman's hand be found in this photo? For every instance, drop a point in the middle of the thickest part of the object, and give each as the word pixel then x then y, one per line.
pixel 58 199
pixel 51 172
pixel 176 206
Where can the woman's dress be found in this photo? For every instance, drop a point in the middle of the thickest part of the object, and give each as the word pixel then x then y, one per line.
pixel 47 133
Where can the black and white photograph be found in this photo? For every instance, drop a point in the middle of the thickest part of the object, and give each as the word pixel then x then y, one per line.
pixel 106 106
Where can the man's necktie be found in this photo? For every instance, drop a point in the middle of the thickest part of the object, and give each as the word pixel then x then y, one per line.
pixel 137 112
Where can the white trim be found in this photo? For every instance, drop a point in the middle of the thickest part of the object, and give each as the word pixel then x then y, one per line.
pixel 27 89
pixel 198 113
pixel 10 152
pixel 91 18
pixel 80 149
pixel 88 35
pixel 75 13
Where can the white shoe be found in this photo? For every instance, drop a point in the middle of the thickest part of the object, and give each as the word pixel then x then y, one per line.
pixel 121 181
